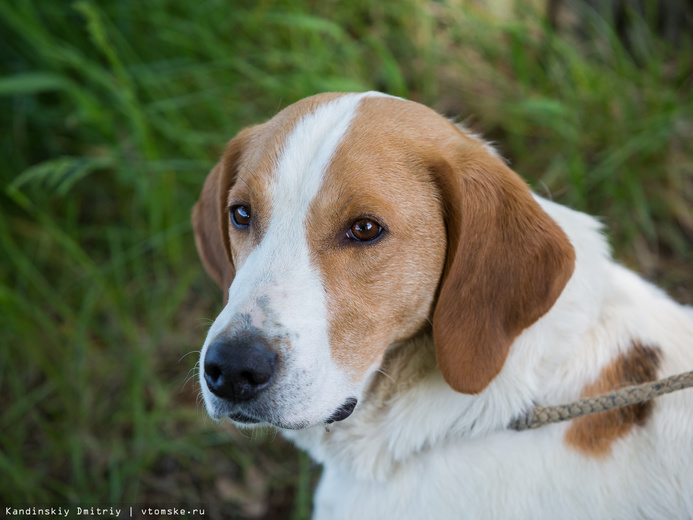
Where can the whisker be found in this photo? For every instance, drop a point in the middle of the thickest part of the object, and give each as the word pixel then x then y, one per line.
pixel 386 375
pixel 186 355
pixel 204 321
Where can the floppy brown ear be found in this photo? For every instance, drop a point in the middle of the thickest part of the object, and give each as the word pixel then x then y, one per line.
pixel 507 263
pixel 210 216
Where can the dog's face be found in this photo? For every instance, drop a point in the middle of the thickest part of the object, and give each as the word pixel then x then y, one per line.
pixel 346 224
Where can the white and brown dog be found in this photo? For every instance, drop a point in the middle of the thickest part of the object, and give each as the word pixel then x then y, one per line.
pixel 395 296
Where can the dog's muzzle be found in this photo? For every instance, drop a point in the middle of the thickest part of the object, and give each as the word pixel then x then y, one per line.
pixel 243 372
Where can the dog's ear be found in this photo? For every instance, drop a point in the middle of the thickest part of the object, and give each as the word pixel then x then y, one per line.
pixel 210 216
pixel 507 263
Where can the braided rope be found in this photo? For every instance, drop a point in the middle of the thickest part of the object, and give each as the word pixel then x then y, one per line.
pixel 542 415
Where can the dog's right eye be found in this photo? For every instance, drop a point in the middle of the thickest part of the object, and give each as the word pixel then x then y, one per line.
pixel 364 230
pixel 240 215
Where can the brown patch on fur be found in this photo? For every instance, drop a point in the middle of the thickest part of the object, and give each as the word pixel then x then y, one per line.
pixel 404 366
pixel 507 264
pixel 382 292
pixel 210 226
pixel 436 187
pixel 594 434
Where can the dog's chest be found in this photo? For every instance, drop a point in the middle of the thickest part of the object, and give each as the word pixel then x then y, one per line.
pixel 505 475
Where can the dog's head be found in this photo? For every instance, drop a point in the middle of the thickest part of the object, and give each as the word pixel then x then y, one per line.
pixel 349 223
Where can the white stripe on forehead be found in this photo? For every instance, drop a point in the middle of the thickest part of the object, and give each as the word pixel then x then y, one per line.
pixel 298 175
pixel 307 152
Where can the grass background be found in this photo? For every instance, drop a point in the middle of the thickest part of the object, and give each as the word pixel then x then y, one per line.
pixel 111 114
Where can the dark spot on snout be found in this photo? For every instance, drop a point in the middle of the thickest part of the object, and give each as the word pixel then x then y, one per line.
pixel 238 369
pixel 343 411
pixel 263 302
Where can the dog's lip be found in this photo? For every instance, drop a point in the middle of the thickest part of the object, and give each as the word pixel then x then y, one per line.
pixel 250 418
pixel 243 418
pixel 343 411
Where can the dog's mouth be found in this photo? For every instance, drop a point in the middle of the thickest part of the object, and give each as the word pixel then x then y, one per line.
pixel 250 419
pixel 343 411
pixel 242 418
pixel 340 414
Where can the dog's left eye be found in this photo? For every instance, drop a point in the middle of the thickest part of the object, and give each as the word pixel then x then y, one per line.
pixel 240 215
pixel 364 230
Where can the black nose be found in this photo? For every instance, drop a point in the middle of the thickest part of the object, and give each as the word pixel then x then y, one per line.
pixel 238 369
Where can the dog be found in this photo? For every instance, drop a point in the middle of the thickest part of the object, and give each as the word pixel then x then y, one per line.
pixel 395 295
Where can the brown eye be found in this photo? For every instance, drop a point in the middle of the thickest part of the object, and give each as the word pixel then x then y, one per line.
pixel 364 230
pixel 240 215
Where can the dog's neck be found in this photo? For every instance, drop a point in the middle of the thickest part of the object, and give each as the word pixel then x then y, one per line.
pixel 409 407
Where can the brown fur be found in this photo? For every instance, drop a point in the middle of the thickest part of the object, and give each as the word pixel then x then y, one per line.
pixel 383 292
pixel 595 434
pixel 210 228
pixel 508 263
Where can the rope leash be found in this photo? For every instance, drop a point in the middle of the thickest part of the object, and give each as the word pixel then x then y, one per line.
pixel 542 415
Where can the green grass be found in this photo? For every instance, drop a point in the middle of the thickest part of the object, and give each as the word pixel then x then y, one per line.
pixel 112 113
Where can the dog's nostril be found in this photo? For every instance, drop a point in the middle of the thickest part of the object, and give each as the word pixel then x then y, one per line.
pixel 256 378
pixel 212 371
